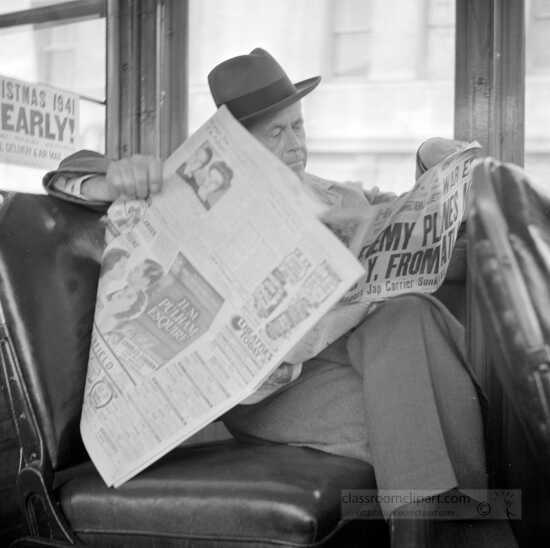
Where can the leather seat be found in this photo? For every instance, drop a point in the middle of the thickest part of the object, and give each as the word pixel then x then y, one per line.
pixel 229 492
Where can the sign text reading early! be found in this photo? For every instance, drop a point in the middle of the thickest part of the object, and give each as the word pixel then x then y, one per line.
pixel 24 109
pixel 38 123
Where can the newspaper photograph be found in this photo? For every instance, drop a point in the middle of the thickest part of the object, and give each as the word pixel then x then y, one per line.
pixel 203 291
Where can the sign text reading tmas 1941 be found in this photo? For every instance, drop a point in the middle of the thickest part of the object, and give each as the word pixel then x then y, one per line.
pixel 38 123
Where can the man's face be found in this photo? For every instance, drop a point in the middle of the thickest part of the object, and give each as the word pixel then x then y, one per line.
pixel 283 134
pixel 197 161
pixel 215 180
pixel 211 183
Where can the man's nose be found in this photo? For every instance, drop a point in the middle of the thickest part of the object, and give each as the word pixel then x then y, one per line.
pixel 293 141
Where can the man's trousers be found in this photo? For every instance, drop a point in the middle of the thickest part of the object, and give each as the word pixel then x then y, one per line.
pixel 395 392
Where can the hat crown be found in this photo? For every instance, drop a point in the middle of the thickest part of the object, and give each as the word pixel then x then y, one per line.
pixel 245 74
pixel 254 84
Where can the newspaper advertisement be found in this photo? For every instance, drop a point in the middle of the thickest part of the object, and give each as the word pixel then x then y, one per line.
pixel 203 291
pixel 38 123
pixel 405 245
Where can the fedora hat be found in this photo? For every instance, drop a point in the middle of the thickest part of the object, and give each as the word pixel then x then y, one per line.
pixel 254 85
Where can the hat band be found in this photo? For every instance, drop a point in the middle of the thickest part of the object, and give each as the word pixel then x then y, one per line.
pixel 261 98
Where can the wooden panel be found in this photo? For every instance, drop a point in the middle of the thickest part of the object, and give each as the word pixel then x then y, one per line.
pixel 112 121
pixel 490 76
pixel 147 76
pixel 147 83
pixel 489 100
pixel 173 74
pixel 508 97
pixel 474 51
pixel 122 78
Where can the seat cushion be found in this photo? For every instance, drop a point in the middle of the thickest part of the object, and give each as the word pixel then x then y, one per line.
pixel 223 492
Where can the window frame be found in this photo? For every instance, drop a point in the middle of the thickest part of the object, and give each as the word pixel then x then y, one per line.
pixel 146 86
pixel 60 12
pixel 73 11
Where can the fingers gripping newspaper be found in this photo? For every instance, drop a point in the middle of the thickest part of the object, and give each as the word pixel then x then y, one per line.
pixel 203 291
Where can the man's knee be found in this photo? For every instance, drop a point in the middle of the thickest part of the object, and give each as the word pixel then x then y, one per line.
pixel 397 324
pixel 410 303
pixel 409 308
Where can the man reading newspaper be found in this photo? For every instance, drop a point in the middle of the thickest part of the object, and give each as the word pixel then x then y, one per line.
pixel 395 390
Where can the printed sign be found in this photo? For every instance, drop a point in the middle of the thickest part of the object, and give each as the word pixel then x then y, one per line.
pixel 38 123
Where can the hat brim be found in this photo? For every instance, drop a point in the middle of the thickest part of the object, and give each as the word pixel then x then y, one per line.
pixel 302 89
pixel 81 162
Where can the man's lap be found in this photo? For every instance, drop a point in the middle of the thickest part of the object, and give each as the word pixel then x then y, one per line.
pixel 322 409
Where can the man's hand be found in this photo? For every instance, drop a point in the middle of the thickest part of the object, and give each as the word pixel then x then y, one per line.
pixel 136 177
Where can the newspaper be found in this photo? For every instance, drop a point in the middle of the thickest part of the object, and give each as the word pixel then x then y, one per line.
pixel 203 291
pixel 405 246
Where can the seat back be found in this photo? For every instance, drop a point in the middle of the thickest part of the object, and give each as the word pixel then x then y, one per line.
pixel 510 251
pixel 509 334
pixel 452 292
pixel 49 265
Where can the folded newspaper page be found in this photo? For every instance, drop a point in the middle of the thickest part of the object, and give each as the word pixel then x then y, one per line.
pixel 203 291
pixel 405 246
